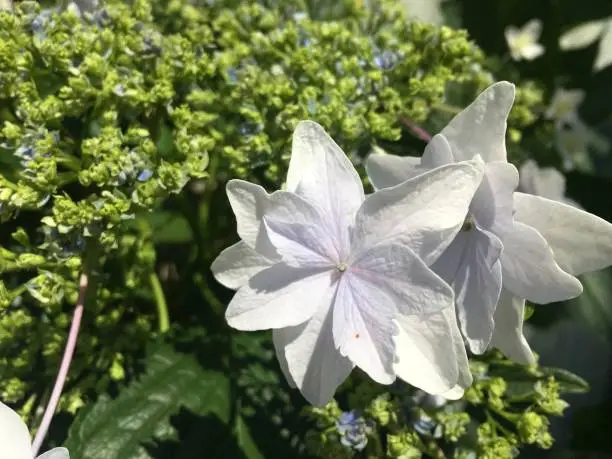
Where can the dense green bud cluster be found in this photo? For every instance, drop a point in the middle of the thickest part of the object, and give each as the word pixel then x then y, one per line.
pixel 505 409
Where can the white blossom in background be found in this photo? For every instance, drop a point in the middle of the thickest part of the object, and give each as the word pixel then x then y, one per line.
pixel 573 136
pixel 547 182
pixel 564 105
pixel 15 442
pixel 513 245
pixel 523 42
pixel 341 278
pixel 586 34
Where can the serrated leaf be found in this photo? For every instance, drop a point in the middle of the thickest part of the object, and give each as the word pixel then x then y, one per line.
pixel 119 428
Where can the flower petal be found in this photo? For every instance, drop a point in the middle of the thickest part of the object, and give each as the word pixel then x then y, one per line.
pixel 237 264
pixel 581 242
pixel 492 206
pixel 508 334
pixel 426 351
pixel 279 296
pixel 55 453
pixel 532 51
pixel 529 269
pixel 547 181
pixel 309 358
pixel 300 234
pixel 423 213
pixel 533 29
pixel 379 284
pixel 328 180
pixel 385 170
pixel 14 435
pixel 480 129
pixel 248 202
pixel 471 266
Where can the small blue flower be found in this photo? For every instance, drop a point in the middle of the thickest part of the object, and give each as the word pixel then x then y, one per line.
pixel 144 175
pixel 385 60
pixel 353 430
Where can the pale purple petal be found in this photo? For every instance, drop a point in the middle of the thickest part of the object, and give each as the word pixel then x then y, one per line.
pixel 309 358
pixel 427 355
pixel 492 206
pixel 327 179
pixel 55 453
pixel 508 334
pixel 300 234
pixel 381 283
pixel 529 269
pixel 14 435
pixel 480 129
pixel 471 266
pixel 581 242
pixel 237 264
pixel 280 296
pixel 423 213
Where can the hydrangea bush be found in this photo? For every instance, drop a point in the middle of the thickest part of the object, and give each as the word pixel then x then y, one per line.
pixel 120 124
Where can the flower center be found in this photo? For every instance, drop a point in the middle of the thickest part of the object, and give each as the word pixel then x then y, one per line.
pixel 341 267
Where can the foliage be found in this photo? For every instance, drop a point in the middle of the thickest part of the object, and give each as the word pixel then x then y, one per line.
pixel 119 126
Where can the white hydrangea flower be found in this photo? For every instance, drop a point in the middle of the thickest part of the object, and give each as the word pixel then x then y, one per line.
pixel 532 246
pixel 340 277
pixel 15 438
pixel 523 42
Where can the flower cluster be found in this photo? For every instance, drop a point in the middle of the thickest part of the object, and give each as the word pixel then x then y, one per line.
pixel 444 251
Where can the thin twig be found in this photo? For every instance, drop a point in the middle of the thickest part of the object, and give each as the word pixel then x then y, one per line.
pixel 64 367
pixel 160 300
pixel 417 130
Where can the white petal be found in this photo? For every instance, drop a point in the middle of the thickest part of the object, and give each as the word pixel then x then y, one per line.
pixel 529 269
pixel 426 352
pixel 604 54
pixel 301 235
pixel 14 435
pixel 547 181
pixel 389 170
pixel 582 35
pixel 55 453
pixel 465 378
pixel 492 206
pixel 423 213
pixel 328 180
pixel 581 242
pixel 237 264
pixel 280 296
pixel 532 51
pixel 248 202
pixel 385 171
pixel 508 334
pixel 381 283
pixel 471 266
pixel 480 129
pixel 533 29
pixel 309 358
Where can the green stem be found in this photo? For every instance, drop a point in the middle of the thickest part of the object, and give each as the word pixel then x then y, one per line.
pixel 160 301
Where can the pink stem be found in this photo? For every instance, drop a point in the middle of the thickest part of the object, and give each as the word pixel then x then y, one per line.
pixel 417 130
pixel 64 367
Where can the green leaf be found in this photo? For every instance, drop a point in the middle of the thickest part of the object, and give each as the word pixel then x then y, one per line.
pixel 245 440
pixel 568 381
pixel 118 428
pixel 169 227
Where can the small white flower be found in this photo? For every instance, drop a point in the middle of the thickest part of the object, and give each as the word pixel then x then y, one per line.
pixel 15 438
pixel 531 245
pixel 547 182
pixel 340 278
pixel 523 43
pixel 564 105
